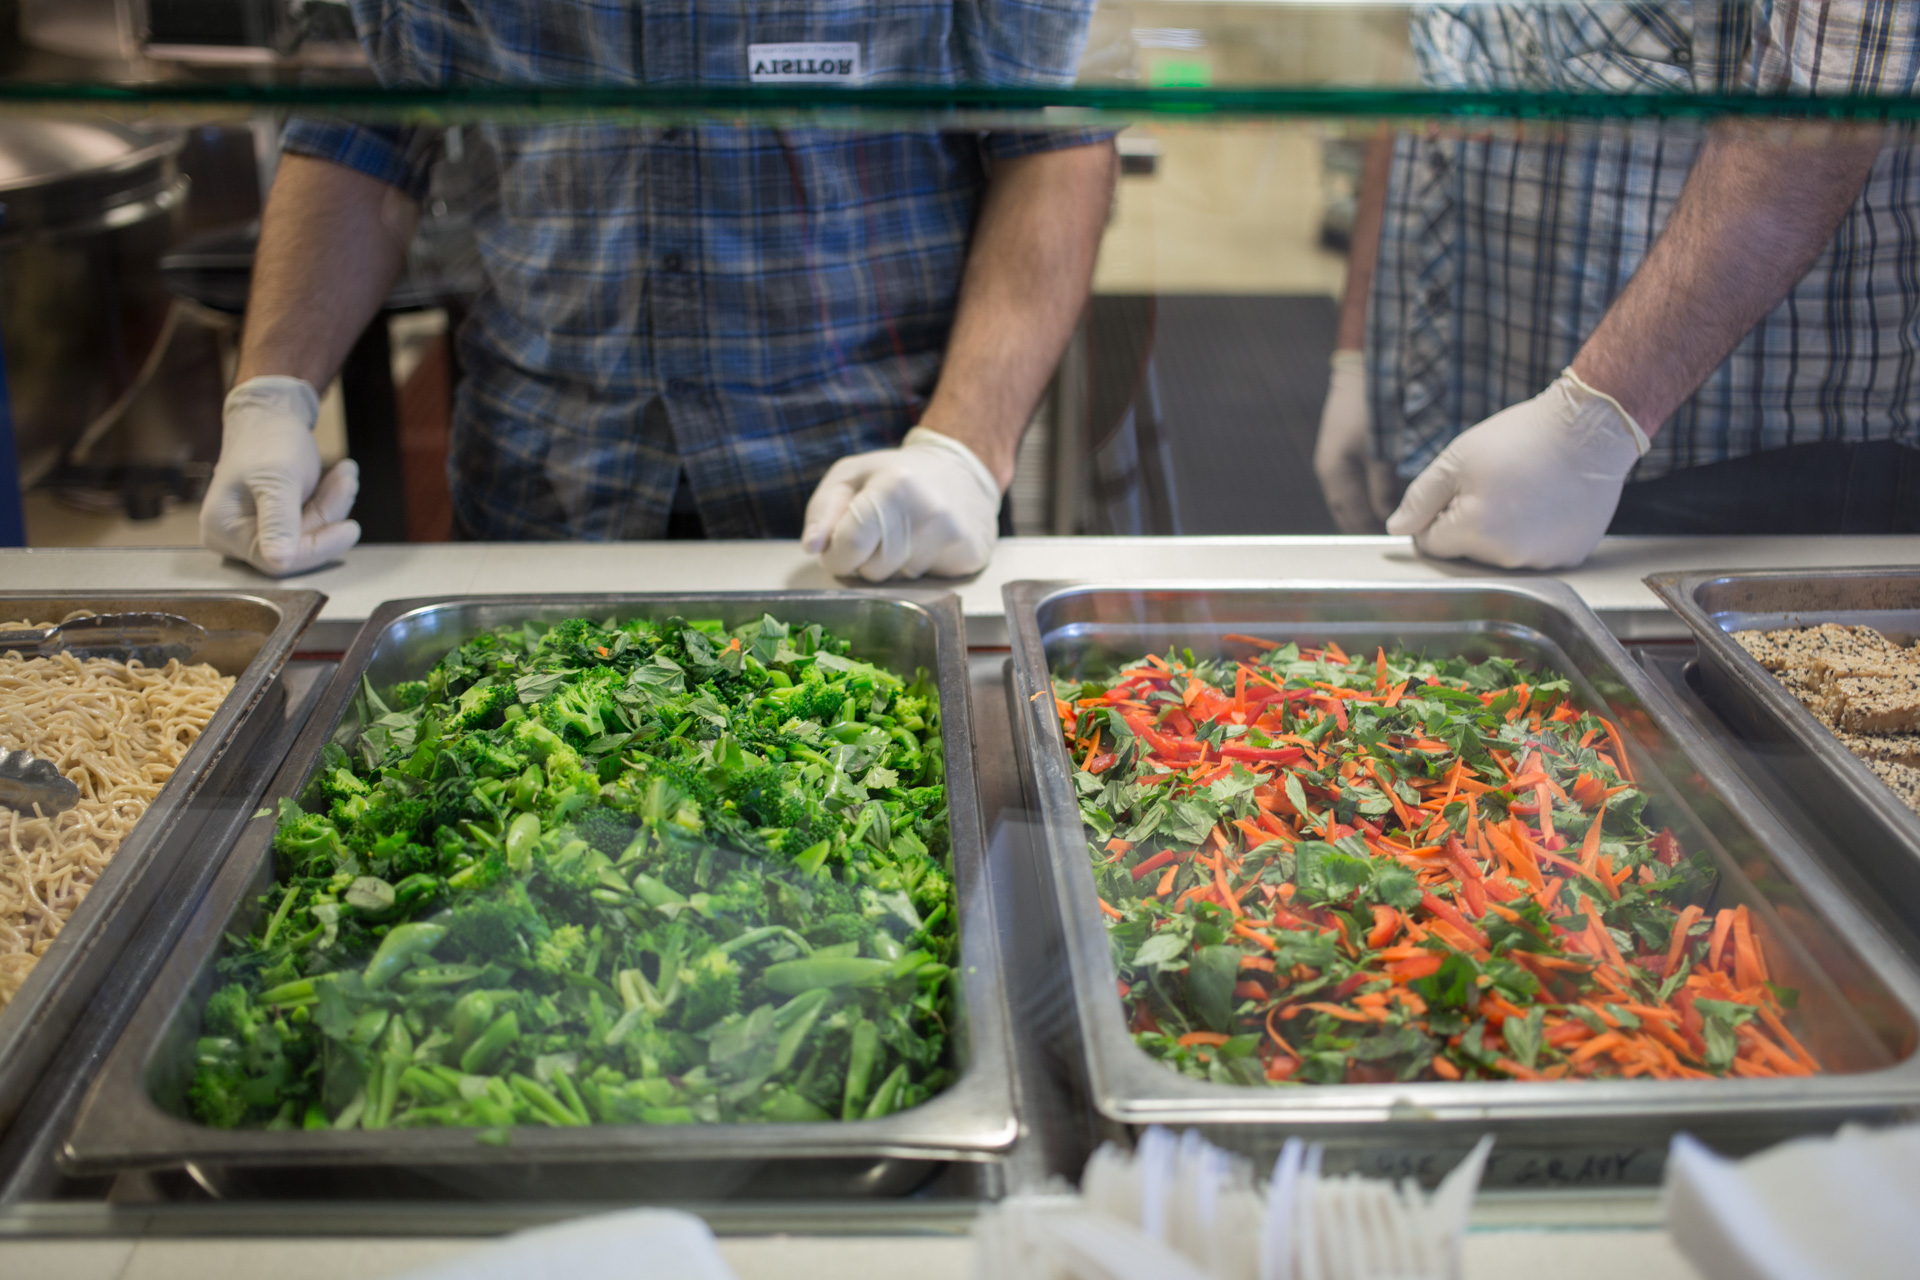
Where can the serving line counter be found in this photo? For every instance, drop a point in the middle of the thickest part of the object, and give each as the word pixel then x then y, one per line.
pixel 1583 1220
pixel 1610 581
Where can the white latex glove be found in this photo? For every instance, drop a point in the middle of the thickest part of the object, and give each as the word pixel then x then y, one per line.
pixel 1360 489
pixel 930 506
pixel 267 503
pixel 1532 487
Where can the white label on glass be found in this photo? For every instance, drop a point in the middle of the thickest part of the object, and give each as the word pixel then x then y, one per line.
pixel 803 63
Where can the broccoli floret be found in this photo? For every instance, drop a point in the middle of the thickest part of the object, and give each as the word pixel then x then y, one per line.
pixel 576 865
pixel 348 813
pixel 933 890
pixel 216 1094
pixel 391 814
pixel 713 989
pixel 742 897
pixel 761 795
pixel 607 830
pixel 841 926
pixel 489 869
pixel 580 710
pixel 482 705
pixel 485 757
pixel 230 1013
pixel 656 1051
pixel 561 951
pixel 405 856
pixel 543 744
pixel 576 642
pixel 821 702
pixel 501 924
pixel 407 695
pixel 677 798
pixel 340 783
pixel 304 839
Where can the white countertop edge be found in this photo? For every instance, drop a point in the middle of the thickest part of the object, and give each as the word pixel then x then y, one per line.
pixel 1610 581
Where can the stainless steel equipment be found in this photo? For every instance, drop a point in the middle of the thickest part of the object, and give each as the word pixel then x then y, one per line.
pixel 1859 996
pixel 28 783
pixel 1879 834
pixel 135 1115
pixel 89 206
pixel 151 638
pixel 250 635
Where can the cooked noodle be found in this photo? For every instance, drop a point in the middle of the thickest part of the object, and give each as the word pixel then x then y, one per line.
pixel 118 730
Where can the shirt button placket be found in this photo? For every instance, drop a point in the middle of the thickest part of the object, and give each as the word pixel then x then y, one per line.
pixel 676 330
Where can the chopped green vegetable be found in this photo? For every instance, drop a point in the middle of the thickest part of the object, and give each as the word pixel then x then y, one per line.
pixel 640 873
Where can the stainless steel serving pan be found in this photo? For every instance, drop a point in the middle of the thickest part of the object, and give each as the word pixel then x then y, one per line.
pixel 136 1117
pixel 1860 815
pixel 251 635
pixel 1859 1006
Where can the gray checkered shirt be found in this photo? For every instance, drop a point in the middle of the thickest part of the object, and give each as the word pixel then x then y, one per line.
pixel 785 293
pixel 1501 250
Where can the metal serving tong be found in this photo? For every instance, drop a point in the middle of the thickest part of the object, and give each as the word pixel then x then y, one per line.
pixel 150 638
pixel 26 781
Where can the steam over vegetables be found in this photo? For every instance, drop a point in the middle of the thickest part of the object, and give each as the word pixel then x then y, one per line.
pixel 606 873
pixel 1322 869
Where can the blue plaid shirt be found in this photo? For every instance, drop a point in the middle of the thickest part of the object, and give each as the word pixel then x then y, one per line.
pixel 786 294
pixel 1501 251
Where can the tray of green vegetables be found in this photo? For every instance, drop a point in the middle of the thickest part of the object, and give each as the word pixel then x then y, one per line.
pixel 597 881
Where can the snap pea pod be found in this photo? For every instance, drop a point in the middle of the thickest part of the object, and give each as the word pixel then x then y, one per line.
pixel 491 1043
pixel 886 1099
pixel 791 977
pixel 402 943
pixel 864 1049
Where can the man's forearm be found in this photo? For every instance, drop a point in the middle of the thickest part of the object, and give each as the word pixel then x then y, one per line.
pixel 1753 216
pixel 1370 205
pixel 332 241
pixel 1026 280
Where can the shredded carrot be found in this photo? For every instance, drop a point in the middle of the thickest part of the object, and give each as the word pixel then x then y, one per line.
pixel 1688 916
pixel 1717 943
pixel 1204 1037
pixel 1620 762
pixel 1512 869
pixel 1749 970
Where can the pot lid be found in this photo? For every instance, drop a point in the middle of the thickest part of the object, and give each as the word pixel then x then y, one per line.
pixel 38 152
pixel 55 171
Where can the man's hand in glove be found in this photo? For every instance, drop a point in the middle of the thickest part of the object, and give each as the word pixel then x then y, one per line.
pixel 268 504
pixel 1532 487
pixel 930 506
pixel 1360 489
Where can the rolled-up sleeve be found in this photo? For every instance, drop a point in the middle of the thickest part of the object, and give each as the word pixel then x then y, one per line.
pixel 1005 146
pixel 399 156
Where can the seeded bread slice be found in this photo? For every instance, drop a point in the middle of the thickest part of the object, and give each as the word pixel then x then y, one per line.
pixel 1875 704
pixel 1896 748
pixel 1761 645
pixel 1903 779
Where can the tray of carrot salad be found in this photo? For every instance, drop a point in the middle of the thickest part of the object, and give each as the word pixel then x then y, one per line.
pixel 1425 845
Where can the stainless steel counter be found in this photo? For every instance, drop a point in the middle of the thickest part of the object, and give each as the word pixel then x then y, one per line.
pixel 1609 581
pixel 1587 1231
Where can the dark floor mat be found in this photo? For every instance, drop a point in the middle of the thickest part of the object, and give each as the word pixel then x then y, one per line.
pixel 1241 380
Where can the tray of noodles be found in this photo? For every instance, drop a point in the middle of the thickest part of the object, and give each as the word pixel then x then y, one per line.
pixel 145 745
